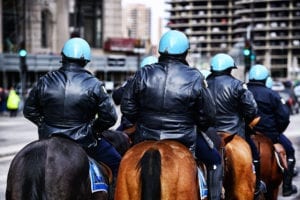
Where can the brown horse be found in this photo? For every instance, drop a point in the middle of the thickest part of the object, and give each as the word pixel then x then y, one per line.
pixel 154 170
pixel 54 168
pixel 239 179
pixel 271 173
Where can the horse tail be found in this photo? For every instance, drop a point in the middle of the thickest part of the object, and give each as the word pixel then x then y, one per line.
pixel 150 170
pixel 33 165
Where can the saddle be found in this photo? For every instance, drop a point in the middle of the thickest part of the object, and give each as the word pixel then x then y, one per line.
pixel 280 155
pixel 118 139
pixel 279 152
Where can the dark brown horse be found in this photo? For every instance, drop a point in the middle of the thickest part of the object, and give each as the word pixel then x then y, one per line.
pixel 239 179
pixel 54 168
pixel 155 170
pixel 271 173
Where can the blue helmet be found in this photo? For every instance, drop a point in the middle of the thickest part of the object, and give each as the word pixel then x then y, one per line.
pixel 78 49
pixel 269 82
pixel 205 72
pixel 258 72
pixel 174 43
pixel 221 62
pixel 148 60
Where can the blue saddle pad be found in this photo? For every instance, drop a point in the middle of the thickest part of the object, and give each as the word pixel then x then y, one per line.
pixel 202 185
pixel 97 178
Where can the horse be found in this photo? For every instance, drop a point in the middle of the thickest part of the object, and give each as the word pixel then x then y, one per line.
pixel 239 179
pixel 153 170
pixel 271 172
pixel 52 168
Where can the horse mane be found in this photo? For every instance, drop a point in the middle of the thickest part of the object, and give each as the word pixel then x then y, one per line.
pixel 150 171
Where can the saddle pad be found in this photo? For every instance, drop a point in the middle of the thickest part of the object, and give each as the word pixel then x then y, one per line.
pixel 97 179
pixel 202 184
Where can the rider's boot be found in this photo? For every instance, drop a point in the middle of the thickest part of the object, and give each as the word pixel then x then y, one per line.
pixel 287 187
pixel 260 186
pixel 214 182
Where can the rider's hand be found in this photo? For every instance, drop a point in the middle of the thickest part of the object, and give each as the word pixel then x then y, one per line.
pixel 254 122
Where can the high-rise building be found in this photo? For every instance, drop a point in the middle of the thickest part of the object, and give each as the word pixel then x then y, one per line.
pixel 44 25
pixel 137 21
pixel 272 27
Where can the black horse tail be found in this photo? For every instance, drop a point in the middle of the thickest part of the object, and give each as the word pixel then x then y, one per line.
pixel 27 168
pixel 150 165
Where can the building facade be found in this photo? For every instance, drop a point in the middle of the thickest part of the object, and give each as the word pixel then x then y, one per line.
pixel 272 26
pixel 42 27
pixel 137 21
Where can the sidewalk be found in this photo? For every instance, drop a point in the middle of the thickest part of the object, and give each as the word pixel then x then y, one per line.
pixel 15 133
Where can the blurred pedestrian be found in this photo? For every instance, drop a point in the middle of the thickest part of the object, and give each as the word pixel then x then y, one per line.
pixel 2 100
pixel 13 102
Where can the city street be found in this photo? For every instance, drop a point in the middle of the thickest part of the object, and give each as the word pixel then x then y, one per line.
pixel 15 133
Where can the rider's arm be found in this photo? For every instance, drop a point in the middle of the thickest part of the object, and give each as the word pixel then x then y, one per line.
pixel 248 104
pixel 206 109
pixel 129 105
pixel 282 113
pixel 107 115
pixel 32 109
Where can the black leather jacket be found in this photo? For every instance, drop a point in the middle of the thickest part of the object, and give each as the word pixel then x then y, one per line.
pixel 235 104
pixel 167 100
pixel 66 102
pixel 274 114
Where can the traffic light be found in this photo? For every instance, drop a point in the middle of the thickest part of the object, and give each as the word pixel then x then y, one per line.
pixel 247 54
pixel 23 64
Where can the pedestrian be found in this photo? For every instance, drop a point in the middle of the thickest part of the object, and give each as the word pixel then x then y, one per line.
pixel 73 103
pixel 168 99
pixel 13 102
pixel 2 101
pixel 274 120
pixel 235 105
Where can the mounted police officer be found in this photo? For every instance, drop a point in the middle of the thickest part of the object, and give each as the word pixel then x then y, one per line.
pixel 72 103
pixel 235 105
pixel 168 99
pixel 274 120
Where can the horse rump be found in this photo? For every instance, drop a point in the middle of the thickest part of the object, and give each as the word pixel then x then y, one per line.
pixel 54 168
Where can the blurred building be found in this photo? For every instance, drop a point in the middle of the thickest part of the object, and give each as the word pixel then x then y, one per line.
pixel 272 27
pixel 137 21
pixel 41 27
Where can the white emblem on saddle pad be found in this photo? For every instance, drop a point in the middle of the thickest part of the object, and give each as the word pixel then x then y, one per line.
pixel 97 179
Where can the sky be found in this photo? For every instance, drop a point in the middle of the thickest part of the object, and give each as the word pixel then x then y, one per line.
pixel 157 9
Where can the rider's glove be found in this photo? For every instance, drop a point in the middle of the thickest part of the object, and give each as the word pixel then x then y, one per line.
pixel 254 122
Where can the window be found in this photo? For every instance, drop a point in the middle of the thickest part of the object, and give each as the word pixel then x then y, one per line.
pixel 45 28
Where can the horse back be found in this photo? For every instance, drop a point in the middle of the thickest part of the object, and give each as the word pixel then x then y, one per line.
pixel 239 179
pixel 270 171
pixel 54 168
pixel 177 167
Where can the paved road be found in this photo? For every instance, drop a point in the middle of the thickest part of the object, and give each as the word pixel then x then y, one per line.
pixel 15 133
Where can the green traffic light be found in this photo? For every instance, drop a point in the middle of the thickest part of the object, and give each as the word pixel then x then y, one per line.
pixel 246 52
pixel 22 53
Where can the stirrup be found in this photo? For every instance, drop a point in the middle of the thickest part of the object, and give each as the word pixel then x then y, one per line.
pixel 262 188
